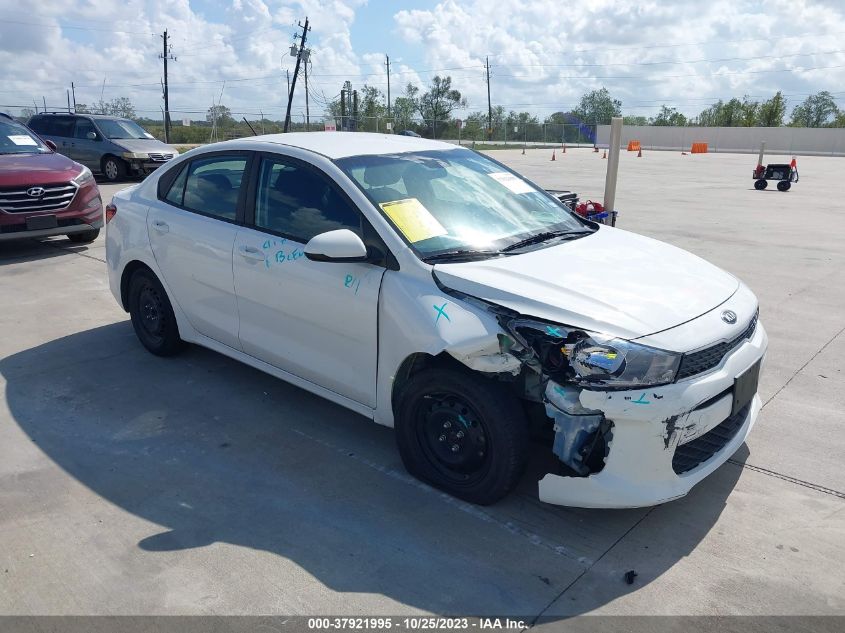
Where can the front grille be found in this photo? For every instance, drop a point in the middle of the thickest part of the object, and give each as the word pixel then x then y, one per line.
pixel 708 358
pixel 160 158
pixel 688 456
pixel 54 198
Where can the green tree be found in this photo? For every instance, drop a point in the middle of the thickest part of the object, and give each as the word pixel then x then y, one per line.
pixel 371 109
pixel 772 111
pixel 668 116
pixel 748 112
pixel 438 102
pixel 597 106
pixel 221 114
pixel 815 111
pixel 404 108
pixel 635 120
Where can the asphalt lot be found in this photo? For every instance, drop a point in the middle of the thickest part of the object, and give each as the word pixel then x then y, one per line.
pixel 131 484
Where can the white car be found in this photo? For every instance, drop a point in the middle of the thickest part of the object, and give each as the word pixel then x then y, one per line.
pixel 432 289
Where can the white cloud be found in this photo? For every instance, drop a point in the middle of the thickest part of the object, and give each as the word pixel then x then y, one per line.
pixel 544 55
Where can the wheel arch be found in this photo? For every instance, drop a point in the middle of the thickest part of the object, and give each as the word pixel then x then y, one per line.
pixel 130 269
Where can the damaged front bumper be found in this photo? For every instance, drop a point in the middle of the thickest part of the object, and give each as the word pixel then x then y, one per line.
pixel 661 441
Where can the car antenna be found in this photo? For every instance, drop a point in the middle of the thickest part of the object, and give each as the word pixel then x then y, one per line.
pixel 254 133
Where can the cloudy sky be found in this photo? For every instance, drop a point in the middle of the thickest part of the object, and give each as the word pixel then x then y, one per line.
pixel 544 54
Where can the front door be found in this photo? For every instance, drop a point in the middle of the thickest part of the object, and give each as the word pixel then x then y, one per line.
pixel 316 320
pixel 192 233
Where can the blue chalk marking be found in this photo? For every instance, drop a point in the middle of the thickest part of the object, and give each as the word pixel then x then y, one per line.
pixel 441 312
pixel 640 399
pixel 553 331
pixel 348 280
pixel 464 422
pixel 560 391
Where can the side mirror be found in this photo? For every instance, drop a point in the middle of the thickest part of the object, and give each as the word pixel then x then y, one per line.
pixel 51 144
pixel 91 136
pixel 341 245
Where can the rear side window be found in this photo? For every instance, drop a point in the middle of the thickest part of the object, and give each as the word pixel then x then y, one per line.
pixel 38 124
pixel 60 126
pixel 210 186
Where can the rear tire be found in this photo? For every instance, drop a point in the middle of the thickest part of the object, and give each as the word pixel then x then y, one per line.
pixel 113 168
pixel 152 315
pixel 784 185
pixel 462 433
pixel 85 237
pixel 761 184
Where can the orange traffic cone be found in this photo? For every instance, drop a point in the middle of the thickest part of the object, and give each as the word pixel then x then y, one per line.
pixel 793 163
pixel 640 153
pixel 595 149
pixel 605 154
pixel 553 154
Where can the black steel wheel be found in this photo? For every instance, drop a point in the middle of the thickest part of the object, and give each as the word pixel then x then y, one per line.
pixel 462 433
pixel 152 315
pixel 760 184
pixel 784 185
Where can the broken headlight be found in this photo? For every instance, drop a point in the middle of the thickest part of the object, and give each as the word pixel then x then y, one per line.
pixel 593 359
pixel 618 363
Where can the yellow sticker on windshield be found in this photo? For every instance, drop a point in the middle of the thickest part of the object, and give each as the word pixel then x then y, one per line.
pixel 413 219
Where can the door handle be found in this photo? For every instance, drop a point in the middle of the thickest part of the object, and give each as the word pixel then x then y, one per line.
pixel 161 227
pixel 250 252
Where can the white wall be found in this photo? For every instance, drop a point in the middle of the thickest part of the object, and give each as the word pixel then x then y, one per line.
pixel 779 140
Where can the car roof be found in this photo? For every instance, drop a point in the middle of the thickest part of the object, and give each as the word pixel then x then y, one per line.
pixel 343 144
pixel 85 114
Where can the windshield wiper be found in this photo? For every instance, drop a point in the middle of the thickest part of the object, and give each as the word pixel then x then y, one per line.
pixel 459 254
pixel 545 236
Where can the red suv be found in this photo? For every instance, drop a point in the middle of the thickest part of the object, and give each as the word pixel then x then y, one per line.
pixel 43 193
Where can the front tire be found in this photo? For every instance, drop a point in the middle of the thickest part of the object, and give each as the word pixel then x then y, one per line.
pixel 462 433
pixel 761 184
pixel 114 169
pixel 784 185
pixel 86 237
pixel 152 315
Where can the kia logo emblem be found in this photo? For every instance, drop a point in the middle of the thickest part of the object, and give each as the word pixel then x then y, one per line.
pixel 729 316
pixel 35 192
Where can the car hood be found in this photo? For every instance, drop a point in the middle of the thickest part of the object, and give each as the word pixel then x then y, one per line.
pixel 612 281
pixel 36 169
pixel 144 145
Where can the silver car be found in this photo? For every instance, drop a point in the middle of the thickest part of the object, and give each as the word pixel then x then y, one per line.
pixel 112 146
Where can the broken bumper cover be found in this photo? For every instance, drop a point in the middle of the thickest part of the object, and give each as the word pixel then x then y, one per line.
pixel 649 427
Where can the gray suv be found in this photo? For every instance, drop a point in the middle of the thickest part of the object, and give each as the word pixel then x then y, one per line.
pixel 113 146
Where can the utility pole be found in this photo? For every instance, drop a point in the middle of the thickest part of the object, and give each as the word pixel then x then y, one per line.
pixel 387 63
pixel 489 106
pixel 165 55
pixel 342 109
pixel 73 91
pixel 307 113
pixel 299 54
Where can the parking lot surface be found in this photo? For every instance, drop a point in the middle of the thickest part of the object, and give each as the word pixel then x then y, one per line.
pixel 131 484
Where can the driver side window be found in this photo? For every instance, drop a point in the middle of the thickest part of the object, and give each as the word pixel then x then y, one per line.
pixel 299 203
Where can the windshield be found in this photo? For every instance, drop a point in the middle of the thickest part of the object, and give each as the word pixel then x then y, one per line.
pixel 17 139
pixel 121 128
pixel 460 202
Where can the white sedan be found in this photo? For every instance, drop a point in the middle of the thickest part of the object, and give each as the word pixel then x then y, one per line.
pixel 432 289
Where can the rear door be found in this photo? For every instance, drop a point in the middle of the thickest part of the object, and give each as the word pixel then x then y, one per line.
pixel 60 131
pixel 316 320
pixel 192 232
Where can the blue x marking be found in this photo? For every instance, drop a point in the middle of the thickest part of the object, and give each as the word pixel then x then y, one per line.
pixel 641 399
pixel 441 311
pixel 553 331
